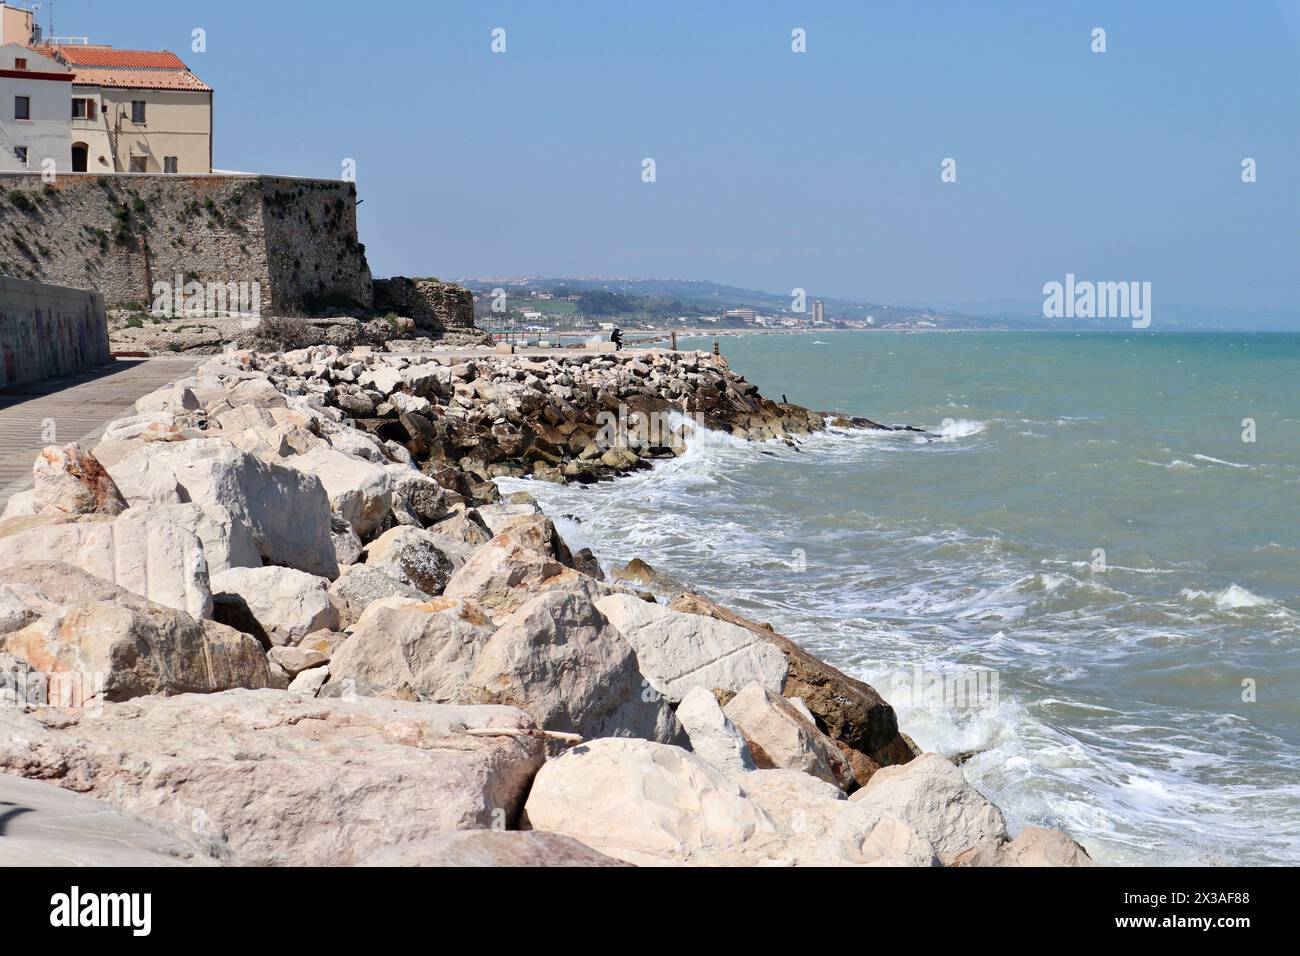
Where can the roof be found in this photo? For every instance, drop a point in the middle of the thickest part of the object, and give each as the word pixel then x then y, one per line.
pixel 127 69
pixel 108 56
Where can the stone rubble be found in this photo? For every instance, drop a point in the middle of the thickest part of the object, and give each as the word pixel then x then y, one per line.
pixel 319 635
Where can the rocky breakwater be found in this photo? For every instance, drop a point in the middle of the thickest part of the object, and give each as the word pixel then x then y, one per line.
pixel 281 614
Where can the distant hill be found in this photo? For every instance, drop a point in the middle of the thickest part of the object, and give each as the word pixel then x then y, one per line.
pixel 655 299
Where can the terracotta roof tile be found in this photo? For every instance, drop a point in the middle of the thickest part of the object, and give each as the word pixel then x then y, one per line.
pixel 141 79
pixel 126 69
pixel 130 59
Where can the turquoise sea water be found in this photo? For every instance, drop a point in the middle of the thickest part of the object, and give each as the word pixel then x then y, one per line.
pixel 1085 530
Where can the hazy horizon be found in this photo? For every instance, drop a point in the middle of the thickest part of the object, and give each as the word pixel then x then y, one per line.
pixel 776 169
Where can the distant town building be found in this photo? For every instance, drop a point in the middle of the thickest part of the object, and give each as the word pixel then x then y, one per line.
pixel 34 94
pixel 740 315
pixel 819 312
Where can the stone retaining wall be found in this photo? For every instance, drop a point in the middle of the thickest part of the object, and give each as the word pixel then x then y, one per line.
pixel 48 330
pixel 123 234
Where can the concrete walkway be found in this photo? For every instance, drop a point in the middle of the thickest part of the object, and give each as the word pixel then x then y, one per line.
pixel 45 825
pixel 68 408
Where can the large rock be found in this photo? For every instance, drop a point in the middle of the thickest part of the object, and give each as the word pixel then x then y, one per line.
pixel 143 479
pixel 279 780
pixel 360 586
pixel 847 710
pixel 286 603
pixel 712 735
pixel 360 491
pixel 285 509
pixel 70 480
pixel 558 658
pixel 146 552
pixel 479 848
pixel 537 533
pixel 679 651
pixel 1038 847
pixel 464 526
pixel 1033 847
pixel 14 613
pixel 101 641
pixel 890 842
pixel 503 574
pixel 780 737
pixel 639 573
pixel 429 646
pixel 45 825
pixel 227 542
pixel 933 798
pixel 643 802
pixel 413 556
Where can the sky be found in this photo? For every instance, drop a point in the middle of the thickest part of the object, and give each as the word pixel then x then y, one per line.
pixel 776 169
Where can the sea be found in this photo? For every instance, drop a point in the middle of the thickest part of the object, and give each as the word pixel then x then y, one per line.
pixel 1082 582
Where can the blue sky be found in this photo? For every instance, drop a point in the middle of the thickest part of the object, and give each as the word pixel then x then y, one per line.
pixel 774 169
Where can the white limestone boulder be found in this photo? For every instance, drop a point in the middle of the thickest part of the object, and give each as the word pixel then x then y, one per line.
pixel 227 542
pixel 103 642
pixel 1034 846
pixel 643 802
pixel 360 491
pixel 494 848
pixel 504 574
pixel 428 646
pixel 143 479
pixel 293 659
pixel 359 586
pixel 783 737
pixel 558 658
pixel 145 552
pixel 712 735
pixel 276 779
pixel 288 604
pixel 69 480
pixel 932 796
pixel 412 556
pixel 175 398
pixel 309 682
pixel 286 509
pixel 679 651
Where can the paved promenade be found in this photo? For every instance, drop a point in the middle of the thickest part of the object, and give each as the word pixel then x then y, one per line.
pixel 68 408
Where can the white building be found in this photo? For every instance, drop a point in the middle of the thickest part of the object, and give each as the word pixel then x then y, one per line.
pixel 35 108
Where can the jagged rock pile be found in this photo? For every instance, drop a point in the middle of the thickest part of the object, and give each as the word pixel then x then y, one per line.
pixel 295 641
pixel 581 417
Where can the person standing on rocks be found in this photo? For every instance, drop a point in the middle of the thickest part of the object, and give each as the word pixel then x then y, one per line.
pixel 616 337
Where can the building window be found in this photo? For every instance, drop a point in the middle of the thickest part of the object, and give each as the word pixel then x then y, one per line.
pixel 137 111
pixel 170 164
pixel 83 109
pixel 20 63
pixel 139 164
pixel 21 153
pixel 22 107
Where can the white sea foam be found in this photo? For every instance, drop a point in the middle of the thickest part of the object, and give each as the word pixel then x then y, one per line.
pixel 1231 598
pixel 1219 461
pixel 954 428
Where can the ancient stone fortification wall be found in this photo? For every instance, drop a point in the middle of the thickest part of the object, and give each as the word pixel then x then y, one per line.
pixel 48 330
pixel 434 305
pixel 120 235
